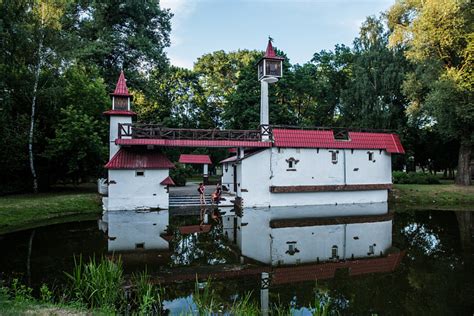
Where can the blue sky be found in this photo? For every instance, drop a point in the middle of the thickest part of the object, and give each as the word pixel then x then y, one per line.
pixel 298 27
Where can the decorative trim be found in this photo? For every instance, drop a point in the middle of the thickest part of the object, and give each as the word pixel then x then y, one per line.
pixel 322 221
pixel 328 188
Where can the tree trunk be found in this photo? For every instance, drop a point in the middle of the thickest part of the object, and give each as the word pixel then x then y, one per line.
pixel 32 118
pixel 463 176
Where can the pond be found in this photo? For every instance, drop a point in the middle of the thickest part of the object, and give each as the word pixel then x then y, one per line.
pixel 347 261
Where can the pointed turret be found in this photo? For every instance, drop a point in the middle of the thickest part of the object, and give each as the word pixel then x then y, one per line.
pixel 270 52
pixel 120 114
pixel 270 66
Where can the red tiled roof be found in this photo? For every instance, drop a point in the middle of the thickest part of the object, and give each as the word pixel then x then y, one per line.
pixel 120 113
pixel 167 181
pixel 325 139
pixel 230 159
pixel 145 159
pixel 121 87
pixel 191 143
pixel 196 159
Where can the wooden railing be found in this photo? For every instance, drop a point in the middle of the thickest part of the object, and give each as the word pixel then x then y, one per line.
pixel 152 131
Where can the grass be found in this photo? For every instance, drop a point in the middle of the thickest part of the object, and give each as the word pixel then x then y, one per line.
pixel 26 211
pixel 434 197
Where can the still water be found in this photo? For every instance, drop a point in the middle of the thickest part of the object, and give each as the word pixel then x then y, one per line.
pixel 434 277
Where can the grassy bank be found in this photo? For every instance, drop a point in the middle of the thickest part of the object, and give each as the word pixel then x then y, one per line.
pixel 25 211
pixel 432 196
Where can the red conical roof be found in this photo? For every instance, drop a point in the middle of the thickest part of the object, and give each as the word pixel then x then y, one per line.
pixel 270 52
pixel 121 87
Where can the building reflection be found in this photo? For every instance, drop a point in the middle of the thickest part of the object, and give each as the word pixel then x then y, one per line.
pixel 311 234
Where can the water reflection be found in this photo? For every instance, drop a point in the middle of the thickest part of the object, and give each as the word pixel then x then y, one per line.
pixel 132 230
pixel 295 235
pixel 436 278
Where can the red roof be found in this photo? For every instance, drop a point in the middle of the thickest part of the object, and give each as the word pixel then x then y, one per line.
pixel 270 52
pixel 121 87
pixel 230 159
pixel 191 143
pixel 325 139
pixel 120 113
pixel 196 159
pixel 144 159
pixel 167 181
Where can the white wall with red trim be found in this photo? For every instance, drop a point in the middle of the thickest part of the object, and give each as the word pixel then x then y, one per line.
pixel 127 191
pixel 312 167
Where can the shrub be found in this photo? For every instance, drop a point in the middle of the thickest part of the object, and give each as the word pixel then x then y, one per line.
pixel 179 174
pixel 401 177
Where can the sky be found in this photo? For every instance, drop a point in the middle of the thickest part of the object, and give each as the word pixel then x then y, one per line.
pixel 299 27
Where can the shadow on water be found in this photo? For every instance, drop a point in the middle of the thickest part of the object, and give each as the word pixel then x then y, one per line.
pixel 434 278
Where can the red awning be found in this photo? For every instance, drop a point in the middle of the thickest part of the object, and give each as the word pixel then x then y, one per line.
pixel 167 181
pixel 191 143
pixel 325 139
pixel 195 159
pixel 139 159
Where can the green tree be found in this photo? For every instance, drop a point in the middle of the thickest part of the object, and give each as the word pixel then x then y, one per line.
pixel 113 35
pixel 439 37
pixel 372 98
pixel 73 161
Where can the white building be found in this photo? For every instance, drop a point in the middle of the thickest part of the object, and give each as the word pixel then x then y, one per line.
pixel 308 167
pixel 228 171
pixel 138 178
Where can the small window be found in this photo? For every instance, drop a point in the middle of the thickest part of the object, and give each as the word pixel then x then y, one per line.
pixel 139 173
pixel 140 245
pixel 334 154
pixel 371 155
pixel 226 167
pixel 292 248
pixel 334 252
pixel 292 164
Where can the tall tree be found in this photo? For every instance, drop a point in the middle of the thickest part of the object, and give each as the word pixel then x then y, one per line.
pixel 117 35
pixel 372 97
pixel 439 39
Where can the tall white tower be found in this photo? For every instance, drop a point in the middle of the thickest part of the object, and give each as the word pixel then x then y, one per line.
pixel 270 68
pixel 120 112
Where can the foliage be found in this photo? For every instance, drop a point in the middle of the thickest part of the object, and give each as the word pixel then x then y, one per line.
pixel 147 297
pixel 21 292
pixel 401 177
pixel 180 173
pixel 46 295
pixel 76 162
pixel 97 284
pixel 438 37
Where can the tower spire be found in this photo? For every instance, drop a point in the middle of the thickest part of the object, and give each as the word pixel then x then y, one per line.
pixel 270 52
pixel 121 87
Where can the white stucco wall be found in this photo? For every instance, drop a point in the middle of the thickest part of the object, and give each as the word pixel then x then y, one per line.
pixel 128 229
pixel 256 175
pixel 360 170
pixel 131 192
pixel 113 132
pixel 227 178
pixel 258 241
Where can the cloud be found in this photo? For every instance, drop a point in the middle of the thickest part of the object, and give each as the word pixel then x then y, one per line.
pixel 180 62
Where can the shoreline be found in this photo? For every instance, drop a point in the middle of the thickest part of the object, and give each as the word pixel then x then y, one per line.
pixel 27 211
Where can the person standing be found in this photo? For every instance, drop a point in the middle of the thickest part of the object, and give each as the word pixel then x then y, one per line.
pixel 202 194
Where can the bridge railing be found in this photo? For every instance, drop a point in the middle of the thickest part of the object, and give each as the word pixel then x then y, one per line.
pixel 154 131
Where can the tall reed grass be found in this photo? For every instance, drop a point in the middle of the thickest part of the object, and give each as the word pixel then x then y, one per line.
pixel 98 284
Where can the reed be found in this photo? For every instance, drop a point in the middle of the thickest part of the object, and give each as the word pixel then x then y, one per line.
pixel 148 298
pixel 97 284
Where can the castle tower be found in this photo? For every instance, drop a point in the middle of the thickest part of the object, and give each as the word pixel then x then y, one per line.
pixel 120 112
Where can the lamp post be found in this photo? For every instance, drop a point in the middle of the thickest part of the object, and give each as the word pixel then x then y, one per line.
pixel 270 68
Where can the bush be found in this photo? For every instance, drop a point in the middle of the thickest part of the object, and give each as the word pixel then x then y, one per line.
pixel 400 177
pixel 179 174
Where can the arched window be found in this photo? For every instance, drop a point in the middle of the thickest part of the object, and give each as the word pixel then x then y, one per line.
pixel 334 252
